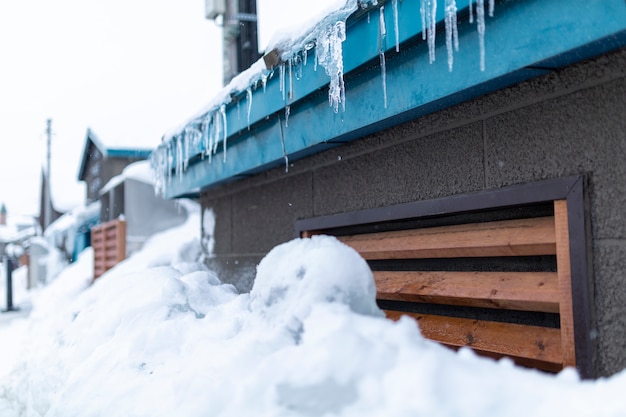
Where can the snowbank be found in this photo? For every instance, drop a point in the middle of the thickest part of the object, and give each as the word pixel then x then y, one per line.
pixel 160 335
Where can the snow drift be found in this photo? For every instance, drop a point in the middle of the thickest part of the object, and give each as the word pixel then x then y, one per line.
pixel 161 335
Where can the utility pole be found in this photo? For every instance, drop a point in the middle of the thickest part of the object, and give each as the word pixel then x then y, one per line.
pixel 48 201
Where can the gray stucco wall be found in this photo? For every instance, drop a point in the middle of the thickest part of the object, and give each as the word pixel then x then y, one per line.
pixel 568 122
pixel 147 214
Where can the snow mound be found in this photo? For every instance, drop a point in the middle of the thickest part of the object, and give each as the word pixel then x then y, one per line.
pixel 298 274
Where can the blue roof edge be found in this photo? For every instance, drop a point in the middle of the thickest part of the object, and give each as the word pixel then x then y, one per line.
pixel 91 137
pixel 555 33
pixel 134 153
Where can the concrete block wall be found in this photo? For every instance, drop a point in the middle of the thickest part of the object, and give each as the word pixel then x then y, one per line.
pixel 572 121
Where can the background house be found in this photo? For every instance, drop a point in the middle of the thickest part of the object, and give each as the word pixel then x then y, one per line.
pixel 99 163
pixel 427 135
pixel 131 195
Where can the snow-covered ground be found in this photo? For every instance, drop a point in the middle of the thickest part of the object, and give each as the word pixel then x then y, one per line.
pixel 160 335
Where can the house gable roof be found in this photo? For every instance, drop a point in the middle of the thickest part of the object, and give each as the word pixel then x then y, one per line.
pixel 289 116
pixel 92 140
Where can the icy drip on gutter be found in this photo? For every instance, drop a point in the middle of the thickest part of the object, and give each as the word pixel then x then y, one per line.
pixel 290 63
pixel 480 23
pixel 179 157
pixel 452 34
pixel 382 30
pixel 204 129
pixel 329 54
pixel 160 169
pixel 394 5
pixel 224 128
pixel 191 140
pixel 249 100
pixel 428 9
pixel 281 69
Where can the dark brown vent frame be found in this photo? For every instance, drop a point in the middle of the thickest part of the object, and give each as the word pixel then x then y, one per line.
pixel 564 293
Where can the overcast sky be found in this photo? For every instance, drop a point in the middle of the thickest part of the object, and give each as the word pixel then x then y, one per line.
pixel 128 69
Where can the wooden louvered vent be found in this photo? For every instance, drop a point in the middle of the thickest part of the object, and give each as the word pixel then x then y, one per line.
pixel 503 287
pixel 109 245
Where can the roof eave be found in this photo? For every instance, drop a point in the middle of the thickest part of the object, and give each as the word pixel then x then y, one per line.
pixel 555 33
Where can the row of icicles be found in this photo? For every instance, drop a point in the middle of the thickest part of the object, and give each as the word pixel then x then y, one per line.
pixel 201 137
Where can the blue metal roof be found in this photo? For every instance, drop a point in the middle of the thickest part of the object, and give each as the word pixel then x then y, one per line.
pixel 524 39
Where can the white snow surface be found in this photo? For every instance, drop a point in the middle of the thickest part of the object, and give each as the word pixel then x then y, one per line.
pixel 161 335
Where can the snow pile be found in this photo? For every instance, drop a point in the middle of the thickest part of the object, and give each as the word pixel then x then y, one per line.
pixel 160 335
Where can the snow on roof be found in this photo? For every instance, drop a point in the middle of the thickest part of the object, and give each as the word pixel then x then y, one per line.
pixel 117 143
pixel 138 171
pixel 287 41
pixel 74 218
pixel 17 228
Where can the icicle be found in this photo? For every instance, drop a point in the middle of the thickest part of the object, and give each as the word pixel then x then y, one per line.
pixel 224 127
pixel 205 134
pixel 158 162
pixel 282 79
pixel 307 48
pixel 492 6
pixel 179 157
pixel 249 99
pixel 329 55
pixel 189 137
pixel 452 34
pixel 264 81
pixel 471 13
pixel 215 123
pixel 480 21
pixel 396 28
pixel 423 14
pixel 287 113
pixel 282 144
pixel 299 67
pixel 381 51
pixel 382 29
pixel 290 95
pixel 428 8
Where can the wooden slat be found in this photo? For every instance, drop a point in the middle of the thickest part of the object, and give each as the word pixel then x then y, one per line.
pixel 120 242
pixel 565 282
pixel 526 291
pixel 532 342
pixel 525 362
pixel 523 237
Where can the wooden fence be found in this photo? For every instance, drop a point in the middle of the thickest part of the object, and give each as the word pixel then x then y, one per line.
pixel 109 245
